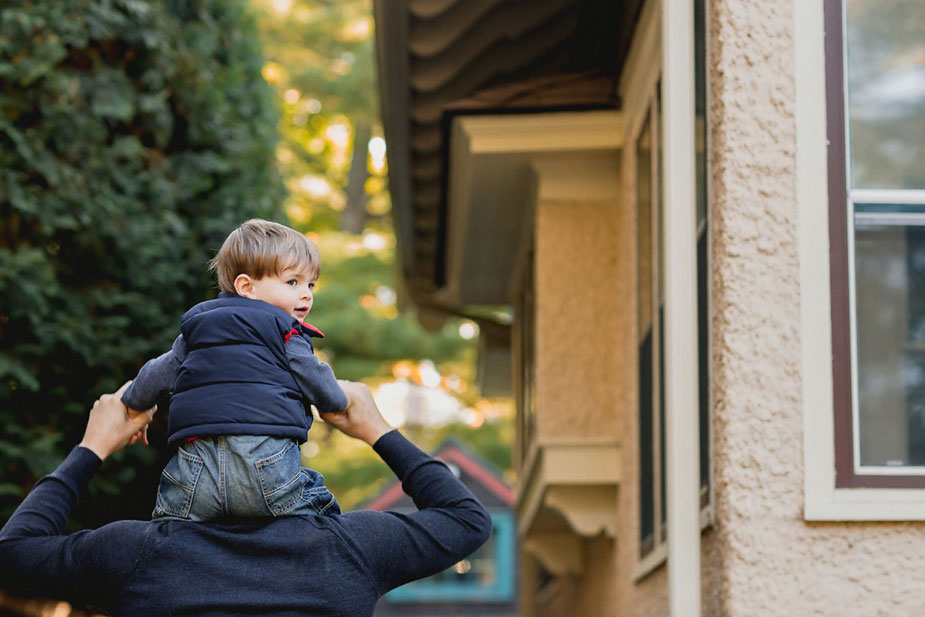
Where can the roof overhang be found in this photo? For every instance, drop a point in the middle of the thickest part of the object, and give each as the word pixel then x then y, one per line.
pixel 443 59
pixel 493 185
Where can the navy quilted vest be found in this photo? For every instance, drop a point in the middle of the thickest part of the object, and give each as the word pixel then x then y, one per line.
pixel 235 379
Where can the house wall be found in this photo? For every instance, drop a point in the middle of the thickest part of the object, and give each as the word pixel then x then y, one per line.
pixel 772 561
pixel 641 587
pixel 759 556
pixel 584 358
pixel 581 318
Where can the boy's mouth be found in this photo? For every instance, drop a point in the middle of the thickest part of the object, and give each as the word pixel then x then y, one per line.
pixel 301 311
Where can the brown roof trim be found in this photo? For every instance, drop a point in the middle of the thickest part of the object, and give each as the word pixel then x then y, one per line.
pixel 587 89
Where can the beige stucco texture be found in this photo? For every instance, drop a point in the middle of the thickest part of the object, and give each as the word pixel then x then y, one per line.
pixel 581 318
pixel 584 358
pixel 772 562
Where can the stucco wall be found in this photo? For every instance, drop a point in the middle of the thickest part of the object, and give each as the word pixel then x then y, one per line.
pixel 584 342
pixel 774 563
pixel 579 321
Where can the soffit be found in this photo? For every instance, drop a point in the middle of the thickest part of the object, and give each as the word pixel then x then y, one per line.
pixel 442 58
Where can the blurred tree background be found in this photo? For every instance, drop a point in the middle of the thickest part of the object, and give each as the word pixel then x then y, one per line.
pixel 133 137
pixel 320 60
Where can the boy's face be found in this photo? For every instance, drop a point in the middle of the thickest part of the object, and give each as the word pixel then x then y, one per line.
pixel 291 290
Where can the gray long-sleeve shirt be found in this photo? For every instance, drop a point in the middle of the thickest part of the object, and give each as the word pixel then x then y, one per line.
pixel 157 377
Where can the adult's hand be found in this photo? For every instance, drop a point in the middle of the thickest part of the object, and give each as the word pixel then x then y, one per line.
pixel 111 426
pixel 361 419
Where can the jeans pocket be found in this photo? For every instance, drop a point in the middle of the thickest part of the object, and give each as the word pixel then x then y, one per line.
pixel 281 479
pixel 317 495
pixel 178 485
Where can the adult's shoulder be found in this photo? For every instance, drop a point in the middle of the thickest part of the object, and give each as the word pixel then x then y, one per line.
pixel 108 555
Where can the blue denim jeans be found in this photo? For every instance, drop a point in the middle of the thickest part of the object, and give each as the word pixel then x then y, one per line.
pixel 240 476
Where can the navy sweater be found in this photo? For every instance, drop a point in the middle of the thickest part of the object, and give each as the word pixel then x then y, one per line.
pixel 319 566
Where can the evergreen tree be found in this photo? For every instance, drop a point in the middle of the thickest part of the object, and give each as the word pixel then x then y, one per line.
pixel 133 137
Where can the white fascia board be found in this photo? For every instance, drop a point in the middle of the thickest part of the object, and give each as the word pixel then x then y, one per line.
pixel 481 145
pixel 558 131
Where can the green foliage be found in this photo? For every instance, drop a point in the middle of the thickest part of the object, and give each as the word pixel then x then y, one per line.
pixel 355 303
pixel 133 136
pixel 326 49
pixel 320 59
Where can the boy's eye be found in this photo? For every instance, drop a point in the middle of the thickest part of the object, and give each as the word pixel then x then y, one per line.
pixel 311 285
pixel 292 282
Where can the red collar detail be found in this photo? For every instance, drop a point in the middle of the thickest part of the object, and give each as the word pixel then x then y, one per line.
pixel 312 330
pixel 289 335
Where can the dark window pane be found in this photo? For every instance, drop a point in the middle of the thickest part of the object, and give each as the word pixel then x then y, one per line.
pixel 646 449
pixel 703 361
pixel 647 271
pixel 644 226
pixel 890 305
pixel 661 421
pixel 700 108
pixel 703 331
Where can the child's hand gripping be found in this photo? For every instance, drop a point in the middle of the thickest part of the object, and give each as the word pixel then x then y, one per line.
pixel 111 426
pixel 361 419
pixel 133 414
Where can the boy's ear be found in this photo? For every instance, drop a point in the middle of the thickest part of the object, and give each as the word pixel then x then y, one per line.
pixel 244 286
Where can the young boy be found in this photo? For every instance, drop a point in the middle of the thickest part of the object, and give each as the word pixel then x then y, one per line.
pixel 243 374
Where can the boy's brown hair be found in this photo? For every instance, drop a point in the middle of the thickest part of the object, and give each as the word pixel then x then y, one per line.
pixel 261 248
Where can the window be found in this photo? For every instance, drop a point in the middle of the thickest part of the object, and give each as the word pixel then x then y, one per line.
pixel 485 576
pixel 651 310
pixel 876 105
pixel 703 271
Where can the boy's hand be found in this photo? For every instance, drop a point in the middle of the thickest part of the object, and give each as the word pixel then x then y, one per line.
pixel 112 426
pixel 141 435
pixel 361 419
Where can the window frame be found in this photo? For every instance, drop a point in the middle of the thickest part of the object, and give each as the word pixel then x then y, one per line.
pixel 841 236
pixel 651 123
pixel 824 306
pixel 644 110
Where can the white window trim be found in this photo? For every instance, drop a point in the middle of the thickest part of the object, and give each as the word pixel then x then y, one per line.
pixel 641 74
pixel 638 86
pixel 862 196
pixel 822 500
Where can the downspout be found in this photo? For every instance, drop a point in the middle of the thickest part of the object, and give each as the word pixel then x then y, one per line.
pixel 682 427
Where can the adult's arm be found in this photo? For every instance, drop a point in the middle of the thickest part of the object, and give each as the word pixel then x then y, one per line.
pixel 450 523
pixel 315 378
pixel 34 555
pixel 156 378
pixel 35 558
